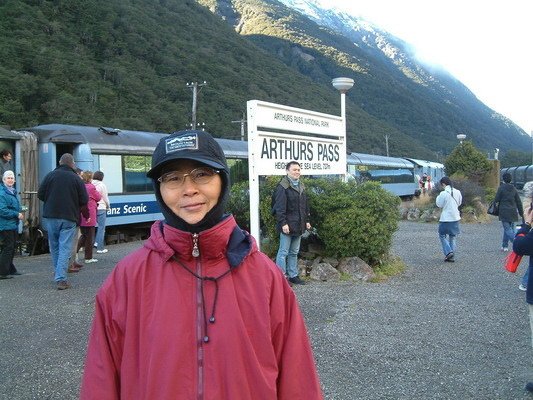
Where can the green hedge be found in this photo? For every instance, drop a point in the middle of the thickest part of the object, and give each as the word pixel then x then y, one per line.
pixel 351 219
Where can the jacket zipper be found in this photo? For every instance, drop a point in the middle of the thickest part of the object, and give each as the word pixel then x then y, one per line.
pixel 199 319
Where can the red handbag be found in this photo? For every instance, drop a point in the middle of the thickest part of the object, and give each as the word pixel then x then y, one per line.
pixel 512 261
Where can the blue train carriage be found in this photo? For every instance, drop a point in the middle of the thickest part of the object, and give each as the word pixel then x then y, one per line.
pixel 123 156
pixel 395 174
pixel 433 169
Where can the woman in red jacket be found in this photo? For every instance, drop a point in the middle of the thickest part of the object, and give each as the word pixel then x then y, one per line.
pixel 87 225
pixel 198 312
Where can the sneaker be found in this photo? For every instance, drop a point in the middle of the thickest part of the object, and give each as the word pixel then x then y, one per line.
pixel 5 277
pixel 91 260
pixel 71 269
pixel 101 251
pixel 296 280
pixel 522 288
pixel 62 285
pixel 95 245
pixel 449 257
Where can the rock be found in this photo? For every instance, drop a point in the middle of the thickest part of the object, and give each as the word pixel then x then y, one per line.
pixel 324 272
pixel 413 214
pixel 356 268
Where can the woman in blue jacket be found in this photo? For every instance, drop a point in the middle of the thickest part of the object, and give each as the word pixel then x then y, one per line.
pixel 9 219
pixel 523 245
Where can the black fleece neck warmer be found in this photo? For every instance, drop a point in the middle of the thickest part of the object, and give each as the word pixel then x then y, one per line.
pixel 213 217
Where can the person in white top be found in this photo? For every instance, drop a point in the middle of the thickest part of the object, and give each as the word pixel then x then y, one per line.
pixel 101 212
pixel 449 201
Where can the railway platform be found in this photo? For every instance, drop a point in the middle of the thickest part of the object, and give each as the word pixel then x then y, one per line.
pixel 437 331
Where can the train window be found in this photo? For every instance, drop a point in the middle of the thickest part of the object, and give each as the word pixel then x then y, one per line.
pixel 111 166
pixel 135 169
pixel 381 174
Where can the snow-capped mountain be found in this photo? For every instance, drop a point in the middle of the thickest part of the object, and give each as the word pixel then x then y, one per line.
pixel 362 33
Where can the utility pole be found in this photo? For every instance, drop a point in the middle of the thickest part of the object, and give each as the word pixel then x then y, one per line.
pixel 387 144
pixel 241 121
pixel 196 87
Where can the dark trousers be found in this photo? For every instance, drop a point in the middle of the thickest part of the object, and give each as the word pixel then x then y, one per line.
pixel 7 251
pixel 86 240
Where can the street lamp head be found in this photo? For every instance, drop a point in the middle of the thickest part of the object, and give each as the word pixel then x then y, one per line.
pixel 461 137
pixel 342 84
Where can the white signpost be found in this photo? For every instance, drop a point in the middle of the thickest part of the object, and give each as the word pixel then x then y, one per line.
pixel 278 134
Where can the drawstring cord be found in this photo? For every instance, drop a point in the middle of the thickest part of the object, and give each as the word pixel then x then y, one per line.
pixel 202 280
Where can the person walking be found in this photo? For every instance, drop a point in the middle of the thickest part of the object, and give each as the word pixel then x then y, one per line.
pixel 523 245
pixel 87 224
pixel 101 212
pixel 527 191
pixel 63 194
pixel 509 209
pixel 449 200
pixel 198 312
pixel 291 209
pixel 10 215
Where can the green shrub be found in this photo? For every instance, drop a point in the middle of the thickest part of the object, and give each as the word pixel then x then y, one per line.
pixel 466 159
pixel 239 204
pixel 354 220
pixel 351 219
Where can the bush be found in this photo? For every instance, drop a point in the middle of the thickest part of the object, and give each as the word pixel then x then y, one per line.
pixel 239 204
pixel 354 220
pixel 351 219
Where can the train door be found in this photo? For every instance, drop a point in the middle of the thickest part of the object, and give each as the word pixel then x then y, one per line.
pixel 8 141
pixel 62 148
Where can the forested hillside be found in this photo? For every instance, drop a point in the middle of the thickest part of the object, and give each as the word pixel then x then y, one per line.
pixel 126 63
pixel 425 103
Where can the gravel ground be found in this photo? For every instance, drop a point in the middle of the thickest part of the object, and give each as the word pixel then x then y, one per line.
pixel 438 331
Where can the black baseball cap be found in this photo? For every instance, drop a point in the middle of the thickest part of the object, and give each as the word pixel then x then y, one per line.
pixel 190 145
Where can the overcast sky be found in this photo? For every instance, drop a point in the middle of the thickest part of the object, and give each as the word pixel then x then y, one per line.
pixel 487 45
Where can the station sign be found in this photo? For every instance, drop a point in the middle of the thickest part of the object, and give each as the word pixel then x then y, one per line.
pixel 278 134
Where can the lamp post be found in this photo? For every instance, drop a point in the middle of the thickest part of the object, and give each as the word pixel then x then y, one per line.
pixel 343 85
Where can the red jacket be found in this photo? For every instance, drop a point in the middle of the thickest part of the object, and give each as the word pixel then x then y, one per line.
pixel 147 339
pixel 92 204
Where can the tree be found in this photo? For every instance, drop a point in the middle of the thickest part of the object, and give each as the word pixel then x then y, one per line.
pixel 467 160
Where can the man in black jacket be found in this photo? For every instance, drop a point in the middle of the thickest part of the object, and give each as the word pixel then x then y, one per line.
pixel 292 215
pixel 63 194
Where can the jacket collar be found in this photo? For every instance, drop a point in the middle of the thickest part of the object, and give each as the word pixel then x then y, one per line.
pixel 224 240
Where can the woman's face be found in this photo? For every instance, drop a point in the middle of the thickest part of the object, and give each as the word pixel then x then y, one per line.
pixel 190 200
pixel 9 180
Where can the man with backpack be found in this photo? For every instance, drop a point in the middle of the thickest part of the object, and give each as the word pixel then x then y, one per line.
pixel 291 209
